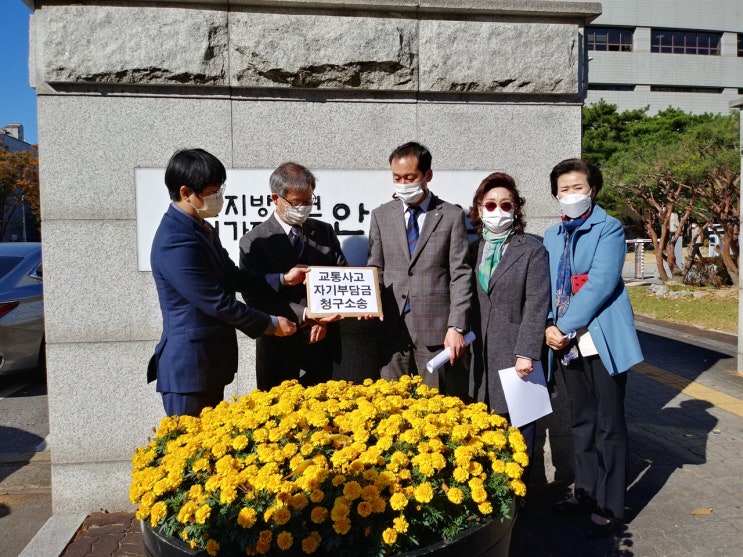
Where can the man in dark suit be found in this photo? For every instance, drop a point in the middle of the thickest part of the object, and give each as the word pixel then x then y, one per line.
pixel 418 243
pixel 196 283
pixel 278 253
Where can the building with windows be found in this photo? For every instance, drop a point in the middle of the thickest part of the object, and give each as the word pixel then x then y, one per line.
pixel 659 53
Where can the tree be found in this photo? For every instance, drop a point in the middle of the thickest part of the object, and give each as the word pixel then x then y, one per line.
pixel 708 160
pixel 643 175
pixel 19 185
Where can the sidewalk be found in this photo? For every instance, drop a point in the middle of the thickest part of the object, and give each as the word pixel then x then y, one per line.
pixel 684 409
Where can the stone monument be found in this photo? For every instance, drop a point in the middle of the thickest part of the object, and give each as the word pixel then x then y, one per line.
pixel 485 84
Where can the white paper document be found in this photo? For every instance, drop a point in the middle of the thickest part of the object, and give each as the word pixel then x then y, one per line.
pixel 442 357
pixel 528 399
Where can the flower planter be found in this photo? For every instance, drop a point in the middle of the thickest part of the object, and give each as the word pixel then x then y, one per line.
pixel 490 539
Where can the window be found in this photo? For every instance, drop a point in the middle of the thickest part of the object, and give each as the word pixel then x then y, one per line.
pixel 609 87
pixel 685 42
pixel 681 89
pixel 609 38
pixel 740 45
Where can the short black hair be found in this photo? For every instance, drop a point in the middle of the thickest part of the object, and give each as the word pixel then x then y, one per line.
pixel 414 149
pixel 593 173
pixel 194 168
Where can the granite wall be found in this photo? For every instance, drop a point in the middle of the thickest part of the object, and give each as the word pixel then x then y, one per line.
pixel 484 84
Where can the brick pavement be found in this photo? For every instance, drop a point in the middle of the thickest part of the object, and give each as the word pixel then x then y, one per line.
pixel 685 494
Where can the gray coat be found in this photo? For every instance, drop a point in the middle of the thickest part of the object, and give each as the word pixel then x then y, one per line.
pixel 437 275
pixel 509 319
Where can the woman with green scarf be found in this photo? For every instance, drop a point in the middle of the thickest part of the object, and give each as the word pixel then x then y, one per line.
pixel 512 293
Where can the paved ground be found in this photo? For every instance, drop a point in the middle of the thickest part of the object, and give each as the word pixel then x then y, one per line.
pixel 685 496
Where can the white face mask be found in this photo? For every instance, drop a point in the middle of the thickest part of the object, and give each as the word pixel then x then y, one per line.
pixel 212 205
pixel 296 215
pixel 410 193
pixel 497 221
pixel 574 205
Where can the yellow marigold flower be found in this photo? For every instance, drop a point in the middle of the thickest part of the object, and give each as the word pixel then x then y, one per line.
pixel 319 515
pixel 339 511
pixel 212 547
pixel 186 513
pixel 342 526
pixel 479 495
pixel 338 480
pixel 498 466
pixel 485 508
pixel 219 450
pixel 352 490
pixel 400 524
pixel 158 512
pixel 284 540
pixel 455 495
pixel 389 536
pixel 299 501
pixel 369 492
pixel 461 474
pixel 379 504
pixel 202 513
pixel 317 495
pixel 398 501
pixel 364 508
pixel 240 442
pixel 424 493
pixel 311 542
pixel 514 470
pixel 475 468
pixel 522 458
pixel 247 517
pixel 518 487
pixel 282 516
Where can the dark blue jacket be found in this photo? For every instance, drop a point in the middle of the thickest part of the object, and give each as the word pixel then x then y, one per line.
pixel 196 283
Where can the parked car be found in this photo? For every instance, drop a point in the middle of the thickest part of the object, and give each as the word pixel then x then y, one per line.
pixel 21 308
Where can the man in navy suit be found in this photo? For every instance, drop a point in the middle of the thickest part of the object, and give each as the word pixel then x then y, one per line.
pixel 196 283
pixel 278 252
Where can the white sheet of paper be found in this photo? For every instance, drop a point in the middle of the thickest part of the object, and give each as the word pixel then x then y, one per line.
pixel 442 357
pixel 528 399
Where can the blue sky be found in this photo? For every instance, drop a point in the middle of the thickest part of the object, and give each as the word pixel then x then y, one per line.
pixel 17 99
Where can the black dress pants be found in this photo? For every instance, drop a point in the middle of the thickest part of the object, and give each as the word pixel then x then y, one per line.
pixel 599 432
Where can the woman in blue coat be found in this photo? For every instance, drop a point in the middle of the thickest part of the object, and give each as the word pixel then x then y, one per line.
pixel 592 339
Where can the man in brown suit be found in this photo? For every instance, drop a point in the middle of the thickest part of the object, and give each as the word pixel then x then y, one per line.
pixel 418 243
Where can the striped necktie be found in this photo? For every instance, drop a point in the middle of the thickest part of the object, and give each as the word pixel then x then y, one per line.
pixel 412 228
pixel 296 238
pixel 413 234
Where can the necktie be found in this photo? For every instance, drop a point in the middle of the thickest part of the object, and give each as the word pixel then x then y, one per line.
pixel 207 231
pixel 413 233
pixel 296 237
pixel 412 228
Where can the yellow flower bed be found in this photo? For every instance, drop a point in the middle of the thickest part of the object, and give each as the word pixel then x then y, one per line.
pixel 334 469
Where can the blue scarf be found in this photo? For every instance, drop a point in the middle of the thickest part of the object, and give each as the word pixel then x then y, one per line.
pixel 563 287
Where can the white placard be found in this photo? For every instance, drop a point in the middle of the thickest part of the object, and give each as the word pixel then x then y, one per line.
pixel 345 199
pixel 346 291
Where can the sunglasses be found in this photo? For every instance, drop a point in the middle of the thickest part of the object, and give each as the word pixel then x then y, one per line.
pixel 491 206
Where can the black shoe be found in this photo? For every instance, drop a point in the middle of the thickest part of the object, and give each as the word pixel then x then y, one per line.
pixel 594 531
pixel 571 505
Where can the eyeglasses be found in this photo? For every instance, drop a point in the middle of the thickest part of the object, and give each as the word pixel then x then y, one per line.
pixel 506 205
pixel 301 203
pixel 220 191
